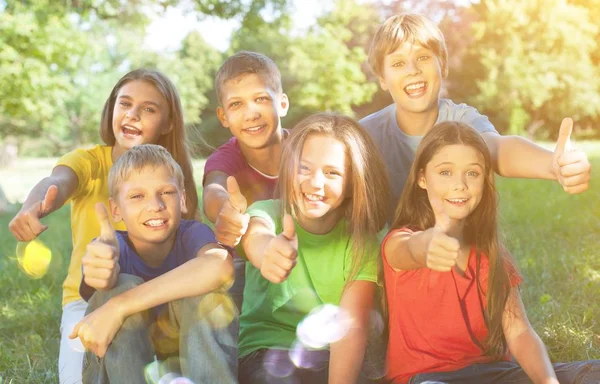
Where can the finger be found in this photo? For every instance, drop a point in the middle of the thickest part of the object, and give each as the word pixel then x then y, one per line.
pixel 564 136
pixel 575 170
pixel 96 283
pixel 238 201
pixel 274 273
pixel 101 250
pixel 107 232
pixel 98 263
pixel 34 227
pixel 442 220
pixel 289 228
pixel 577 189
pixel 574 157
pixel 448 244
pixel 75 332
pixel 48 200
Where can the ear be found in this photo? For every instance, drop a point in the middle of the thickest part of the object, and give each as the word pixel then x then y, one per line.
pixel 166 130
pixel 382 83
pixel 421 180
pixel 222 117
pixel 114 210
pixel 284 105
pixel 183 204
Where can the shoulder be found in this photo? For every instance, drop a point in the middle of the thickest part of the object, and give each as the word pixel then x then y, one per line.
pixel 227 158
pixel 230 147
pixel 95 156
pixel 450 111
pixel 269 210
pixel 194 228
pixel 377 117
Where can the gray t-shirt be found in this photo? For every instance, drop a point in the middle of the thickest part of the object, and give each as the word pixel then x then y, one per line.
pixel 398 149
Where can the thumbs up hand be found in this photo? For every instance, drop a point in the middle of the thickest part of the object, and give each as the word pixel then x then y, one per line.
pixel 281 253
pixel 232 221
pixel 26 225
pixel 101 260
pixel 442 251
pixel 571 167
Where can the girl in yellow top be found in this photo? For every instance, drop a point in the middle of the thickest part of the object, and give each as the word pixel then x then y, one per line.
pixel 143 107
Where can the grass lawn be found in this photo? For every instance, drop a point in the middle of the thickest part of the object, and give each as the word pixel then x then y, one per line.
pixel 554 237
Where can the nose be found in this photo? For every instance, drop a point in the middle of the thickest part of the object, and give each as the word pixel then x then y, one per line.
pixel 317 179
pixel 155 204
pixel 133 113
pixel 251 113
pixel 460 183
pixel 412 67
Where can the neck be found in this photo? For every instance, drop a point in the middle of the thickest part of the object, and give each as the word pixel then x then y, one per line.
pixel 266 159
pixel 322 225
pixel 416 123
pixel 153 254
pixel 116 152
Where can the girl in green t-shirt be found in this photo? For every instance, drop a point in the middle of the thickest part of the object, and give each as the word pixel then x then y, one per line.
pixel 315 248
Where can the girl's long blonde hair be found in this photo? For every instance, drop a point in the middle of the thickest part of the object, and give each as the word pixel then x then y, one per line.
pixel 367 186
pixel 175 141
pixel 414 211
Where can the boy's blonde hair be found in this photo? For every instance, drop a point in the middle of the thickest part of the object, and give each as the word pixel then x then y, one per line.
pixel 412 27
pixel 245 63
pixel 138 158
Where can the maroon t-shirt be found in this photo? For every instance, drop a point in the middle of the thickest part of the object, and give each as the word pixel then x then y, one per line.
pixel 254 185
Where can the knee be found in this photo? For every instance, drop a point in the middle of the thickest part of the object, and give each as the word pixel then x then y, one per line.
pixel 124 283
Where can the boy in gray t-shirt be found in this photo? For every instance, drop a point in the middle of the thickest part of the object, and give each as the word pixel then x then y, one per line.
pixel 409 56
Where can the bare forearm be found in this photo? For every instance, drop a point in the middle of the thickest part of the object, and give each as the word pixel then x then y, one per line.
pixel 254 245
pixel 199 276
pixel 515 156
pixel 213 199
pixel 38 193
pixel 347 357
pixel 529 351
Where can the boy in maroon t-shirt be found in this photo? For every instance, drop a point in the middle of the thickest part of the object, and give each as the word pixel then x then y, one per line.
pixel 244 169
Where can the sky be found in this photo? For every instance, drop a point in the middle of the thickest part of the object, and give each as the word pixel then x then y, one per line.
pixel 167 30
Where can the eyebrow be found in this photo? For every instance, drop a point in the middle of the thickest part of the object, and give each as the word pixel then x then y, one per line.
pixel 451 163
pixel 145 102
pixel 419 49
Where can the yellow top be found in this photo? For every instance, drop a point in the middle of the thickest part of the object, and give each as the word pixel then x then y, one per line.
pixel 91 167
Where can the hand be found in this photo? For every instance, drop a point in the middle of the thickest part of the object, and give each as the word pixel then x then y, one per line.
pixel 98 329
pixel 571 167
pixel 232 221
pixel 26 225
pixel 281 253
pixel 442 251
pixel 101 260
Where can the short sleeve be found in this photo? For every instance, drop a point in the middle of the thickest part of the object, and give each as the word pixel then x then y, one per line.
pixel 474 119
pixel 268 210
pixel 227 159
pixel 83 164
pixel 369 270
pixel 196 235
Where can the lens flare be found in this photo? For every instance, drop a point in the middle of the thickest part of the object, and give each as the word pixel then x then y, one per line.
pixel 307 358
pixel 324 325
pixel 34 258
pixel 152 372
pixel 218 309
pixel 277 363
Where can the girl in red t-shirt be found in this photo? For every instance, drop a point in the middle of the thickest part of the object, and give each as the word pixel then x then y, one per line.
pixel 455 312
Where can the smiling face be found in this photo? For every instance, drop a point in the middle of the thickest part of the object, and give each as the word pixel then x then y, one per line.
pixel 413 76
pixel 150 203
pixel 320 183
pixel 455 175
pixel 252 111
pixel 140 116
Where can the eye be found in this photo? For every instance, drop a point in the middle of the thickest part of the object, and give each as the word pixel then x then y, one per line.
pixel 137 196
pixel 472 173
pixel 423 58
pixel 235 104
pixel 398 64
pixel 304 169
pixel 149 109
pixel 262 98
pixel 169 192
pixel 445 173
pixel 124 103
pixel 333 173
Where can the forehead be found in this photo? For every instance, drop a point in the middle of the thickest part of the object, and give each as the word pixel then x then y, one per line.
pixel 458 154
pixel 407 47
pixel 244 84
pixel 149 177
pixel 141 90
pixel 322 148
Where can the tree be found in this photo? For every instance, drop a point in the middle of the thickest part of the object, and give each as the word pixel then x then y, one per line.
pixel 530 64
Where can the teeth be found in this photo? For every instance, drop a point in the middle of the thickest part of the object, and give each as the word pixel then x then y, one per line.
pixel 312 197
pixel 131 130
pixel 155 222
pixel 457 200
pixel 415 86
pixel 254 129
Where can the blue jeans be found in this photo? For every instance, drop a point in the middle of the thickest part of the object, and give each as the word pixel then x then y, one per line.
pixel 197 329
pixel 580 372
pixel 237 289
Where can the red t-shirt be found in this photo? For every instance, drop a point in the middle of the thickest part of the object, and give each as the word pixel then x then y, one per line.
pixel 254 185
pixel 436 319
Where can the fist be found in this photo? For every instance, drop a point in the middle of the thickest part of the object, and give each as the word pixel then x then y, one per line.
pixel 281 253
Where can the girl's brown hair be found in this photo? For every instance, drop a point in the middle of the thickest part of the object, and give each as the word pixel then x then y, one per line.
pixel 367 185
pixel 175 141
pixel 414 211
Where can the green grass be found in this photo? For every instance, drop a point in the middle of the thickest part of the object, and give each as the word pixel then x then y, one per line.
pixel 553 236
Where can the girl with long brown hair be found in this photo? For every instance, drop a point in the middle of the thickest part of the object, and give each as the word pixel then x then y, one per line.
pixel 316 246
pixel 455 312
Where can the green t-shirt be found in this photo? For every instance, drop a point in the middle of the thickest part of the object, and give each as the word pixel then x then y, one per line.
pixel 271 312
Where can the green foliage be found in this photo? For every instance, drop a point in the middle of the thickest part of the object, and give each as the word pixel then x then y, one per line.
pixel 529 64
